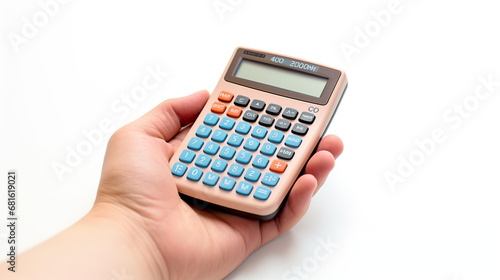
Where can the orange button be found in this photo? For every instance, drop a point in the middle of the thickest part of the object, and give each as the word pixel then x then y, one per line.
pixel 278 166
pixel 218 107
pixel 234 111
pixel 225 96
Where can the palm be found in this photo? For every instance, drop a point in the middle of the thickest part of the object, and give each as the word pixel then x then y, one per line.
pixel 145 183
pixel 136 173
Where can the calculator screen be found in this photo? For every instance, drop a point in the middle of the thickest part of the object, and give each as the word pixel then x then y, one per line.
pixel 280 77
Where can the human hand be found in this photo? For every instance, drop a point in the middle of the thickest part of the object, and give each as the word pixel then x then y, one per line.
pixel 185 242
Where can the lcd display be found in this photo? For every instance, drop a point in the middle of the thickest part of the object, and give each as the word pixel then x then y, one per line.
pixel 281 77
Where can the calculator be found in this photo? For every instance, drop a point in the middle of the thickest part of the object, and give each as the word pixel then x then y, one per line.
pixel 257 131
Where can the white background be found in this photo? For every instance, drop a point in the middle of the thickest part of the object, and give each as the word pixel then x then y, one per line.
pixel 414 68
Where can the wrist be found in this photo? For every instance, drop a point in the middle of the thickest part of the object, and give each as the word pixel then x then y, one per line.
pixel 126 234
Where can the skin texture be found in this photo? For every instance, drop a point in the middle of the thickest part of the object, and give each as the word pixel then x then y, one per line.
pixel 139 227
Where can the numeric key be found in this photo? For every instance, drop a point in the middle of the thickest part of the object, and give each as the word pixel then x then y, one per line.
pixel 211 119
pixel 195 174
pixel 226 123
pixel 203 131
pixel 203 161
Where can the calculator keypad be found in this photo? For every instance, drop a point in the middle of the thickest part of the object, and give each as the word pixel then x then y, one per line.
pixel 267 145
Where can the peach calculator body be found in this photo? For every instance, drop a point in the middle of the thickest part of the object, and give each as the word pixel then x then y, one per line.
pixel 256 133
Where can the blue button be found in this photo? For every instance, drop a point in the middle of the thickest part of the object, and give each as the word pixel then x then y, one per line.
pixel 262 193
pixel 259 132
pixel 179 169
pixel 211 148
pixel 276 136
pixel 226 123
pixel 270 179
pixel 235 140
pixel 211 119
pixel 210 179
pixel 293 141
pixel 244 188
pixel 251 144
pixel 268 149
pixel 195 144
pixel 243 157
pixel 235 170
pixel 227 183
pixel 187 156
pixel 252 175
pixel 243 128
pixel 219 165
pixel 203 131
pixel 260 161
pixel 203 160
pixel 194 174
pixel 219 135
pixel 227 152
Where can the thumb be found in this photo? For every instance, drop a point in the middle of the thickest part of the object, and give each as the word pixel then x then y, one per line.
pixel 165 120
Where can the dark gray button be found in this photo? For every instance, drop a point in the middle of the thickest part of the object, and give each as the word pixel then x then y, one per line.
pixel 290 113
pixel 285 153
pixel 306 117
pixel 241 101
pixel 299 129
pixel 282 124
pixel 257 105
pixel 273 109
pixel 266 120
pixel 250 116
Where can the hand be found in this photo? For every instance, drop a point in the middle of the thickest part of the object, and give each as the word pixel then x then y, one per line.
pixel 140 227
pixel 193 243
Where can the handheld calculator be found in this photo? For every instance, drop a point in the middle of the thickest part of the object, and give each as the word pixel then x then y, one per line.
pixel 256 133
